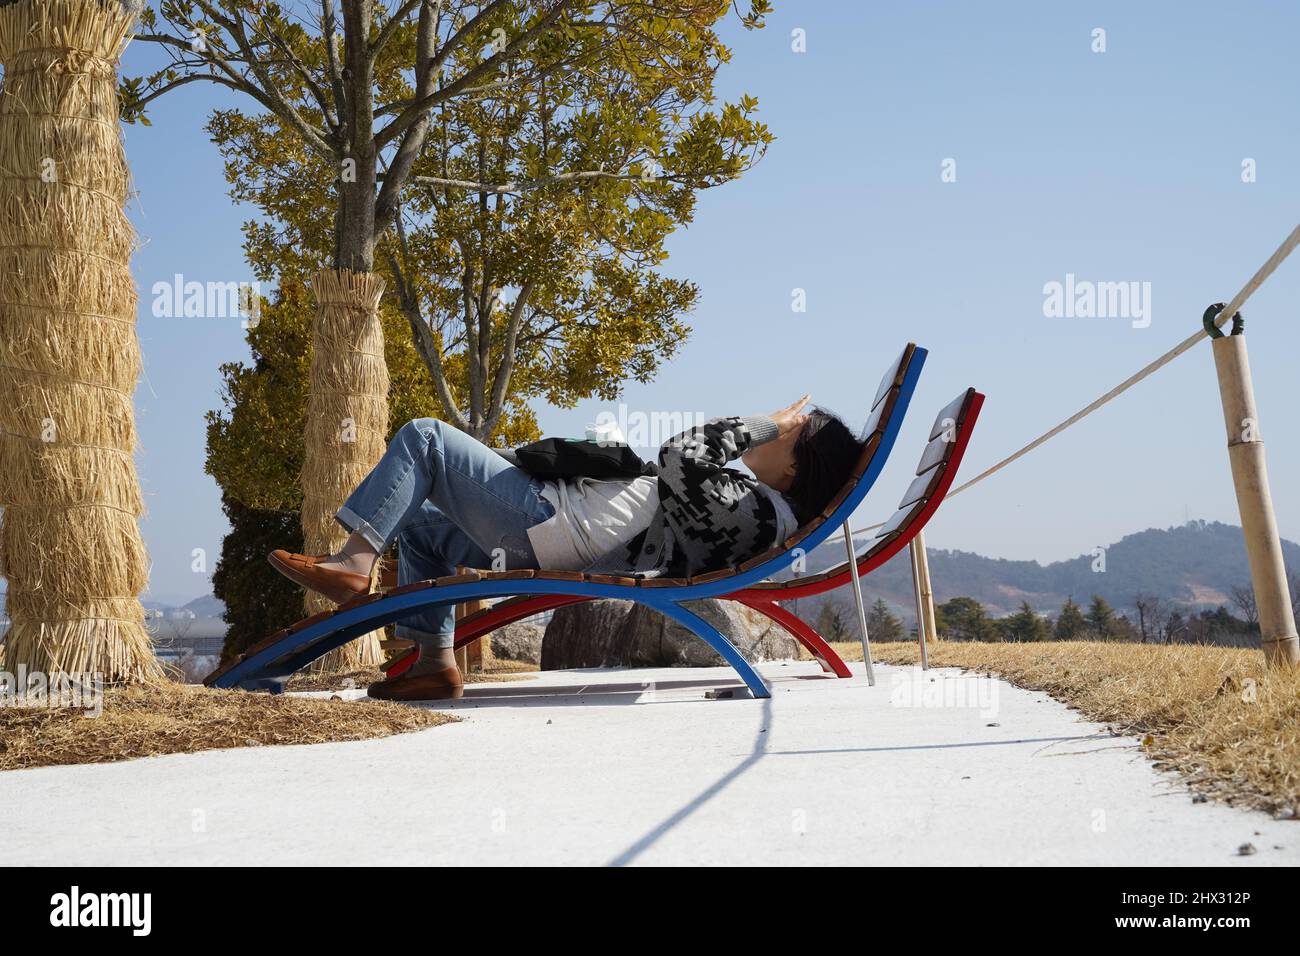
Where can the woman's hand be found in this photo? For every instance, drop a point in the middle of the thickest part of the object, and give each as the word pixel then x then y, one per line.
pixel 790 418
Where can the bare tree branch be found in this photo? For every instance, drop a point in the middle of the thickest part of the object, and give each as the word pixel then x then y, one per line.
pixel 386 32
pixel 317 93
pixel 413 140
pixel 456 39
pixel 186 80
pixel 271 93
pixel 328 28
pixel 501 381
pixel 528 185
pixel 424 341
pixel 413 112
pixel 272 101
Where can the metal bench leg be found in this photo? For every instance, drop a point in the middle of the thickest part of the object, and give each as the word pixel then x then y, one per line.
pixel 857 598
pixel 812 641
pixel 718 641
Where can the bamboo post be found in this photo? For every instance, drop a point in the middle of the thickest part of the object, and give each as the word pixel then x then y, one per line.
pixel 1254 502
pixel 927 593
pixel 475 650
pixel 920 613
pixel 470 657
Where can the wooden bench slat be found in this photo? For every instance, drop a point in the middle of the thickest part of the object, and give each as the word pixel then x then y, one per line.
pixel 622 580
pixel 953 413
pixel 663 582
pixel 465 577
pixel 922 485
pixel 558 575
pixel 711 576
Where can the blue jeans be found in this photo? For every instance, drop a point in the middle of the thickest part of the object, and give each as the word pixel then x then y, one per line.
pixel 448 500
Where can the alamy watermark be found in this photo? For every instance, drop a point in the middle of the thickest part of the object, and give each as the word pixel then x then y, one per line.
pixel 642 429
pixel 1085 299
pixel 76 907
pixel 917 688
pixel 84 692
pixel 181 299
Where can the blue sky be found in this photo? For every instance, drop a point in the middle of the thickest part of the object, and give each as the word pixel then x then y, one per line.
pixel 1117 166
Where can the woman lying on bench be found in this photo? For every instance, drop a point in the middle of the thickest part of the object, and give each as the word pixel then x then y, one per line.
pixel 449 500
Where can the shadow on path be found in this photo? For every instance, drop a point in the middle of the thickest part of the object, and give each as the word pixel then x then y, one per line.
pixel 976 743
pixel 525 694
pixel 759 751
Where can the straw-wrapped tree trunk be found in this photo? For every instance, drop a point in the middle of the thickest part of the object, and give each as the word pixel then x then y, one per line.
pixel 347 421
pixel 69 357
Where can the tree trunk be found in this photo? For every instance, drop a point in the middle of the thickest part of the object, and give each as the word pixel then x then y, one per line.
pixel 70 536
pixel 347 400
pixel 347 424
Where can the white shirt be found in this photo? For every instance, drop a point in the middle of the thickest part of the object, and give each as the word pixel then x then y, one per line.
pixel 592 518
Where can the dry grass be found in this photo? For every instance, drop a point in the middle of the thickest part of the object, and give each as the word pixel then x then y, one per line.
pixel 500 667
pixel 168 718
pixel 1216 715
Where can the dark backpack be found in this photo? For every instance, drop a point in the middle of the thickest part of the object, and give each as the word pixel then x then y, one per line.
pixel 579 458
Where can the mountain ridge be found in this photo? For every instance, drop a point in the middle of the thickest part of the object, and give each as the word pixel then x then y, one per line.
pixel 1193 565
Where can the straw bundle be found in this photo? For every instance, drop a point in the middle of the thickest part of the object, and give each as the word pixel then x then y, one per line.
pixel 347 422
pixel 69 358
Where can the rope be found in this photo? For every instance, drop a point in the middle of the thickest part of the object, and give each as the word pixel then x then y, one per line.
pixel 1267 269
pixel 65 251
pixel 1233 307
pixel 58 312
pixel 64 378
pixel 97 193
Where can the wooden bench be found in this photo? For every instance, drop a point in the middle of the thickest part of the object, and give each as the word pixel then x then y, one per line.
pixel 949 437
pixel 267 664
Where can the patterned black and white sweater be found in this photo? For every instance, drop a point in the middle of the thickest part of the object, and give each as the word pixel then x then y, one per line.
pixel 709 516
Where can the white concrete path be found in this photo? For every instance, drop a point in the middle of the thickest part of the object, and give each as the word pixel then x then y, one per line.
pixel 591 767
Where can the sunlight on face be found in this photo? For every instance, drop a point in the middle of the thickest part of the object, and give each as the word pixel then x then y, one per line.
pixel 773 462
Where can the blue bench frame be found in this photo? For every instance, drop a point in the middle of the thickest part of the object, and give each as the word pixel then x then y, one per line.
pixel 270 667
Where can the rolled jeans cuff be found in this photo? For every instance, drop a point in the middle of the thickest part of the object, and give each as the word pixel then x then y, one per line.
pixel 424 638
pixel 354 523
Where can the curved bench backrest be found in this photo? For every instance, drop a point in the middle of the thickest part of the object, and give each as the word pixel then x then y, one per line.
pixel 888 408
pixel 948 438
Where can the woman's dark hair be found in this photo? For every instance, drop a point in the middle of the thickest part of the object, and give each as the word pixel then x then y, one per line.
pixel 825 454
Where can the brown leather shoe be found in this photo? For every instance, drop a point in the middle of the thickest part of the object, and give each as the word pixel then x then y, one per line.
pixel 338 586
pixel 446 684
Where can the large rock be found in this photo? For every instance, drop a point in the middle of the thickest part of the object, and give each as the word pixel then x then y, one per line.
pixel 623 634
pixel 521 641
pixel 649 639
pixel 584 635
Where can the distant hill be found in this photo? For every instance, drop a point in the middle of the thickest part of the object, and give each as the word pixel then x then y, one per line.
pixel 206 606
pixel 195 621
pixel 1194 564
